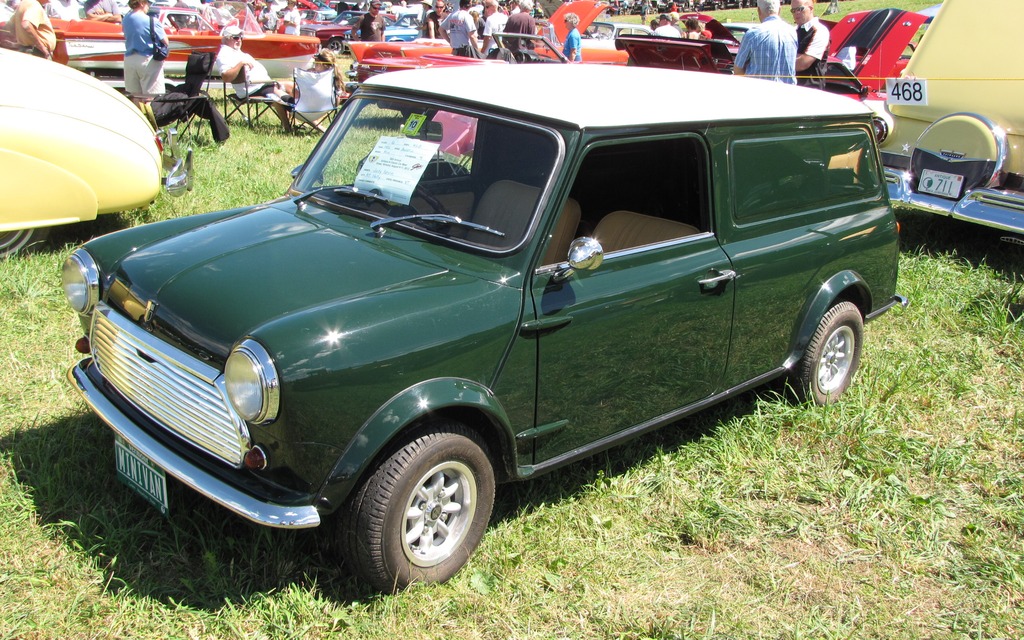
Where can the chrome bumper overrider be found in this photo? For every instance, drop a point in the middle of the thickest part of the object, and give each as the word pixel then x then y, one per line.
pixel 224 494
pixel 989 207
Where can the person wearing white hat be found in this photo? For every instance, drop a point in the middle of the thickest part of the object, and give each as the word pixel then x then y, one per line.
pixel 248 76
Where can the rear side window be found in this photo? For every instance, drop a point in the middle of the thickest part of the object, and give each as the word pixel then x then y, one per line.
pixel 776 177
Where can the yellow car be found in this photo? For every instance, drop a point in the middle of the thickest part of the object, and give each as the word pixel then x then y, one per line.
pixel 72 148
pixel 956 147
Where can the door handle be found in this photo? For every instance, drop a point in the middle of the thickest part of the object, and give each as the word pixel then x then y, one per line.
pixel 714 282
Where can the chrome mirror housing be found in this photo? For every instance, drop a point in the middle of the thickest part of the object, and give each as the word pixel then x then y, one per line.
pixel 584 253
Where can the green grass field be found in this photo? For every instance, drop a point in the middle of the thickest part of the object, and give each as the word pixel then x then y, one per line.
pixel 897 513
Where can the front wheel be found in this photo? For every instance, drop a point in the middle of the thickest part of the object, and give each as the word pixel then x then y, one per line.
pixel 11 242
pixel 422 513
pixel 832 356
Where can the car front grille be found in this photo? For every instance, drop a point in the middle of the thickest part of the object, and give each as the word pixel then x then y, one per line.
pixel 180 393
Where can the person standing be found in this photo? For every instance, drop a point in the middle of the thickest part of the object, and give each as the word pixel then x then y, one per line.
pixel 432 25
pixel 665 28
pixel 573 41
pixel 461 29
pixel 812 45
pixel 292 19
pixel 32 29
pixel 521 22
pixel 371 26
pixel 768 50
pixel 102 11
pixel 494 22
pixel 268 18
pixel 143 75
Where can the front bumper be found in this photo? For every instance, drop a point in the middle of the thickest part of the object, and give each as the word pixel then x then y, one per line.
pixel 187 472
pixel 1002 210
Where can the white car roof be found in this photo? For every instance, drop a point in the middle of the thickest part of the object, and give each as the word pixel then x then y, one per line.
pixel 591 95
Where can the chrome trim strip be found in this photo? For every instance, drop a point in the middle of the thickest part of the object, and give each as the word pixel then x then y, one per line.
pixel 206 484
pixel 998 135
pixel 1003 210
pixel 897 299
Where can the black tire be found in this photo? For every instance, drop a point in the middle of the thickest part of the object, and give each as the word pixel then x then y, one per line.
pixel 422 513
pixel 826 369
pixel 11 242
pixel 336 44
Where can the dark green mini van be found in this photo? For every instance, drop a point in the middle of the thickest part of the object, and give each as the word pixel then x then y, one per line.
pixel 471 282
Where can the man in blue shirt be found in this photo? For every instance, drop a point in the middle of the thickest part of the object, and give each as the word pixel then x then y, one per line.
pixel 768 50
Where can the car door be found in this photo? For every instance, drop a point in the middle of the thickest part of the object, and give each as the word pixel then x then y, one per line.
pixel 648 331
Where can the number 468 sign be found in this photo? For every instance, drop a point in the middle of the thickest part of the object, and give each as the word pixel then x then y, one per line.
pixel 906 91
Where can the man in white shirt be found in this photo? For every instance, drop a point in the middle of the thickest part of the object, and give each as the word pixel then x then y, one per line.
pixel 494 22
pixel 665 28
pixel 292 19
pixel 812 45
pixel 461 29
pixel 248 76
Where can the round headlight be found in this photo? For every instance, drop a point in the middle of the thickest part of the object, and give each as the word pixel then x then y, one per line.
pixel 81 279
pixel 251 382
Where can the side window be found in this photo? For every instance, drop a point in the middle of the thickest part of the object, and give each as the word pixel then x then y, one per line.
pixel 635 193
pixel 775 177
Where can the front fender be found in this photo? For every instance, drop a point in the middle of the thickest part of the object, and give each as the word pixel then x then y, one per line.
pixel 403 412
pixel 836 287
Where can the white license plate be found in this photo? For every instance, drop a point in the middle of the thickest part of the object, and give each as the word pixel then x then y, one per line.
pixel 913 91
pixel 138 472
pixel 939 183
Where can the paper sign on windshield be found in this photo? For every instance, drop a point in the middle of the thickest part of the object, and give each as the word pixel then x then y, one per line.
pixel 394 167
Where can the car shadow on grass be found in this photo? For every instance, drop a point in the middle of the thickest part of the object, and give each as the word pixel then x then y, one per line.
pixel 201 555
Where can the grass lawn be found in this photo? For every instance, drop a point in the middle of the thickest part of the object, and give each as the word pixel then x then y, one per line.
pixel 898 513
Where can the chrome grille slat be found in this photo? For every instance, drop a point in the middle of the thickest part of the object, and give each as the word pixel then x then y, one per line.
pixel 177 391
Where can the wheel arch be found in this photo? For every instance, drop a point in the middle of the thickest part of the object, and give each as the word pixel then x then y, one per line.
pixel 845 286
pixel 464 401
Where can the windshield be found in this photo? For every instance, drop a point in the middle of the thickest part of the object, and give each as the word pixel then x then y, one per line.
pixel 461 177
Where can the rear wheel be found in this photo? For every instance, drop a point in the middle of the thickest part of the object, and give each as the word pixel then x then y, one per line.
pixel 422 513
pixel 11 242
pixel 833 355
pixel 336 44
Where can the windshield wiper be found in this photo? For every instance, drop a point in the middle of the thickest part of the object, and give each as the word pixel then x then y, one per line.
pixel 347 190
pixel 378 226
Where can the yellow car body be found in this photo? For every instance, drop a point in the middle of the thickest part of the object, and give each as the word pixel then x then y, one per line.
pixel 70 148
pixel 956 147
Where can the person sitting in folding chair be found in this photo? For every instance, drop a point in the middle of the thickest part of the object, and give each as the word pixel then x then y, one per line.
pixel 248 77
pixel 318 92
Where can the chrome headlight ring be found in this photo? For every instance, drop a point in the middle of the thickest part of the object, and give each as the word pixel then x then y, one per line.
pixel 80 278
pixel 252 383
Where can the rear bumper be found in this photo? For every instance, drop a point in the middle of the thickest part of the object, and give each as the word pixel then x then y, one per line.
pixel 187 472
pixel 1002 210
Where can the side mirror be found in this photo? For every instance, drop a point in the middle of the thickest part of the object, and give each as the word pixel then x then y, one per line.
pixel 584 253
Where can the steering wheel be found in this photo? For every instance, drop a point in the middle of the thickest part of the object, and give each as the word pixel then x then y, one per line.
pixel 435 204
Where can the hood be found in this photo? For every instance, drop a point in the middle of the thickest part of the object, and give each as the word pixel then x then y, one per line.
pixel 220 282
pixel 587 10
pixel 880 38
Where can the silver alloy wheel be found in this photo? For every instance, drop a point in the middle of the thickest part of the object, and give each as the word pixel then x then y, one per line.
pixel 836 359
pixel 439 513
